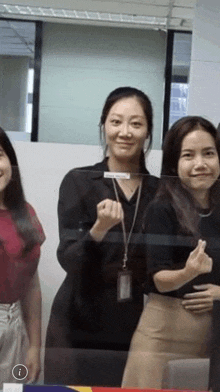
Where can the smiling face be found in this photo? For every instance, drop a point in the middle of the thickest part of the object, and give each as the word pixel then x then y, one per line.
pixel 126 130
pixel 5 173
pixel 198 165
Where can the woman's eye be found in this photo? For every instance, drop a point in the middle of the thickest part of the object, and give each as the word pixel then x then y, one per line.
pixel 186 155
pixel 210 153
pixel 136 124
pixel 115 122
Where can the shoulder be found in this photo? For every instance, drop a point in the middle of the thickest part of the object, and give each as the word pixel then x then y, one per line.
pixel 30 209
pixel 161 206
pixel 80 173
pixel 152 183
pixel 161 214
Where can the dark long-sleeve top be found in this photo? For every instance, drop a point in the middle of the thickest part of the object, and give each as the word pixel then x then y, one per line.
pixel 92 267
pixel 168 249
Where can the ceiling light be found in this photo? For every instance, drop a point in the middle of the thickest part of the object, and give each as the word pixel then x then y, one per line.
pixel 6 9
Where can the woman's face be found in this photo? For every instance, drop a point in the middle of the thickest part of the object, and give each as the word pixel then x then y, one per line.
pixel 198 165
pixel 126 129
pixel 5 171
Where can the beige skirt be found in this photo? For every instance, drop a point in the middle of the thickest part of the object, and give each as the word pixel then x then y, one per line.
pixel 165 331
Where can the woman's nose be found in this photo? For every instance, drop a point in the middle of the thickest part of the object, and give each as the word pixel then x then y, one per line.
pixel 125 129
pixel 200 161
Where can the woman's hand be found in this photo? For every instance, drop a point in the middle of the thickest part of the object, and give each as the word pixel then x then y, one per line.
pixel 109 214
pixel 198 261
pixel 201 301
pixel 33 364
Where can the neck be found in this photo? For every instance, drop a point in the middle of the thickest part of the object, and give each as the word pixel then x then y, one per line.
pixel 202 198
pixel 115 165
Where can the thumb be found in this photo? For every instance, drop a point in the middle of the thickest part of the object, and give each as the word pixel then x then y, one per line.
pixel 199 248
pixel 201 245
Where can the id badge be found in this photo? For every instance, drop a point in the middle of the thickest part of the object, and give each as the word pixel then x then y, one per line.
pixel 124 286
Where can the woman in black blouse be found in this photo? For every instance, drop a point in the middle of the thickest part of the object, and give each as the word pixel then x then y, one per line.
pixel 100 210
pixel 183 255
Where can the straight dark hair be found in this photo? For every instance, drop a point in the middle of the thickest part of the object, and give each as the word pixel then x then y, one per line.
pixel 129 92
pixel 14 199
pixel 170 187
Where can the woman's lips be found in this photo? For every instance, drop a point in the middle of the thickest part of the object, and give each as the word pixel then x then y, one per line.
pixel 201 175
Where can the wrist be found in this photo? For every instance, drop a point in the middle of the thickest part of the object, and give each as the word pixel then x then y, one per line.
pixel 35 347
pixel 217 294
pixel 98 232
pixel 189 273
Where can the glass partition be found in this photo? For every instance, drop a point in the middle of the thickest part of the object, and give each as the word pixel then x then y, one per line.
pixel 17 52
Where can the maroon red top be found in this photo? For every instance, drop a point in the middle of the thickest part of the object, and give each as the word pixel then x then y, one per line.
pixel 16 271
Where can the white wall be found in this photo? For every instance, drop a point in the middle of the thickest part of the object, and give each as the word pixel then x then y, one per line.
pixel 43 166
pixel 82 64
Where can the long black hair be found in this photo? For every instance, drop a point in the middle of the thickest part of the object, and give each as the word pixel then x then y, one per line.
pixel 14 200
pixel 129 92
pixel 170 186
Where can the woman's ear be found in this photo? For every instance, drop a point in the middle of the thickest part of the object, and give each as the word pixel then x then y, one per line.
pixel 103 134
pixel 146 144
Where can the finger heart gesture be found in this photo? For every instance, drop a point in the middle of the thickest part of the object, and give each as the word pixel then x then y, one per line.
pixel 198 261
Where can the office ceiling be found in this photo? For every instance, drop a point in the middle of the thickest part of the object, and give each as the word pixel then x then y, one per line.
pixel 18 38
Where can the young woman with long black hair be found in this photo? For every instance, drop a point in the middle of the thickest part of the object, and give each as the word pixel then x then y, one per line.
pixel 183 255
pixel 21 235
pixel 100 210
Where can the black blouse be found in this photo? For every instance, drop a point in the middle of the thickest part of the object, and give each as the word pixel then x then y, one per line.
pixel 92 267
pixel 167 249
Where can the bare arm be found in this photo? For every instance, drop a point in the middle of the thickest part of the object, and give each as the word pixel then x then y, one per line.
pixel 31 306
pixel 197 263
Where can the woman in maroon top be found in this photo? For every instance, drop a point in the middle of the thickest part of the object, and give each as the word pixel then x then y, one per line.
pixel 21 235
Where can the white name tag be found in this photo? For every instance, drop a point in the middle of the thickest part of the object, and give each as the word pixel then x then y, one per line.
pixel 124 176
pixel 124 286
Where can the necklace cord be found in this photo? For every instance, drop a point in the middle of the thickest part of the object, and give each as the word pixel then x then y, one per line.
pixel 125 238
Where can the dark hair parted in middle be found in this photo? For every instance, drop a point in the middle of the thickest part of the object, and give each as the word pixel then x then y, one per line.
pixel 129 92
pixel 14 199
pixel 170 187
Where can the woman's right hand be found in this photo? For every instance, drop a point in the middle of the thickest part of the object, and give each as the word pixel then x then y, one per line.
pixel 109 214
pixel 198 261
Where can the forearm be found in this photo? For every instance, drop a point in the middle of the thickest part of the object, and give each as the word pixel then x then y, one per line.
pixel 31 306
pixel 169 280
pixel 97 232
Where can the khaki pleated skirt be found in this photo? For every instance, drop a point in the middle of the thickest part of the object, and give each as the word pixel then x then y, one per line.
pixel 165 331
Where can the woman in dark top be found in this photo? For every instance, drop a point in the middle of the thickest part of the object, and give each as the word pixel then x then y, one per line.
pixel 100 211
pixel 183 255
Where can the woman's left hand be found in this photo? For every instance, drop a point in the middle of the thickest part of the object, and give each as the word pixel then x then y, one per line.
pixel 201 301
pixel 33 364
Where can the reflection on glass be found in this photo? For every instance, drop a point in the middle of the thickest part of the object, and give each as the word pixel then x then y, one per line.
pixel 17 41
pixel 180 76
pixel 183 257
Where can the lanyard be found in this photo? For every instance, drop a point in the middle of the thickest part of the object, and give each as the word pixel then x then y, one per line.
pixel 125 238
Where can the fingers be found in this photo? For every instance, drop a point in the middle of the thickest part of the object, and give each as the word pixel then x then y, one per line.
pixel 198 305
pixel 110 208
pixel 197 301
pixel 202 286
pixel 200 248
pixel 204 310
pixel 199 294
